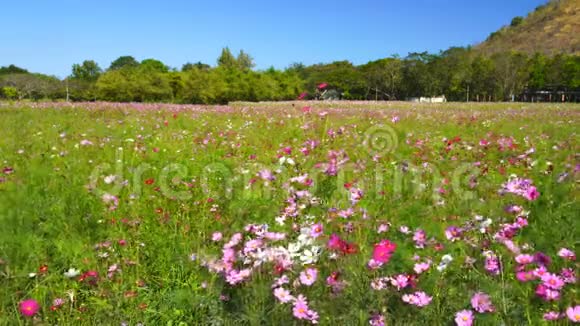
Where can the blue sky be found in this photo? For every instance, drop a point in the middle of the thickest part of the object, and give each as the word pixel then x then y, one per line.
pixel 49 36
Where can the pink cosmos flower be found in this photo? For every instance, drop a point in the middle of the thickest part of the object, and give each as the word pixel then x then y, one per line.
pixel 322 86
pixel 524 276
pixel 420 238
pixel 481 302
pixel 568 275
pixel 266 175
pixel 302 311
pixel 524 259
pixel 573 314
pixel 29 307
pixel 377 320
pixel 552 281
pixel 216 236
pixel 419 299
pixel 383 228
pixel 464 318
pixel 567 254
pixel 552 315
pixel 492 264
pixel 421 267
pixel 309 276
pixel 400 281
pixel 453 233
pixel 283 295
pixel 316 230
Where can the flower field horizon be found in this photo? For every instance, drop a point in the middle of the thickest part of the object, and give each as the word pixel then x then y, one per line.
pixel 289 213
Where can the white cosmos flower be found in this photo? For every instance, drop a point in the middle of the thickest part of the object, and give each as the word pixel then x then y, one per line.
pixel 110 179
pixel 310 256
pixel 72 272
pixel 294 249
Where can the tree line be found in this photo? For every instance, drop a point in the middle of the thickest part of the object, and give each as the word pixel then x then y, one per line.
pixel 459 73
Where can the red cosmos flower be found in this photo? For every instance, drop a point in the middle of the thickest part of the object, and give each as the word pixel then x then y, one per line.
pixel 149 181
pixel 306 109
pixel 302 95
pixel 90 277
pixel 346 248
pixel 43 269
pixel 279 269
pixel 322 86
pixel 383 251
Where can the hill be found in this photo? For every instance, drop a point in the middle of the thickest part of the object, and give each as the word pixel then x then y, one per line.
pixel 551 29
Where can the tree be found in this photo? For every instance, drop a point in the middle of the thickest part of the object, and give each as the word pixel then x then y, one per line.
pixel 227 59
pixel 537 66
pixel 198 65
pixel 153 65
pixel 124 62
pixel 516 21
pixel 12 69
pixel 245 61
pixel 89 71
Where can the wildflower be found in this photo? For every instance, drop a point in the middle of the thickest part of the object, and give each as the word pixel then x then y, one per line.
pixel 89 277
pixel 573 314
pixel 567 254
pixel 400 281
pixel 419 299
pixel 377 320
pixel 71 273
pixel 524 276
pixel 568 275
pixel 552 315
pixel 531 193
pixel 283 295
pixel 464 318
pixel 492 264
pixel 383 251
pixel 453 233
pixel 309 276
pixel 383 228
pixel 266 175
pixel 524 259
pixel 216 236
pixel 29 307
pixel 316 230
pixel 421 267
pixel 420 238
pixel 481 302
pixel 310 256
pixel 302 311
pixel 552 281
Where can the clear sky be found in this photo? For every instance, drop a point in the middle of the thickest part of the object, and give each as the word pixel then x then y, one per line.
pixel 48 36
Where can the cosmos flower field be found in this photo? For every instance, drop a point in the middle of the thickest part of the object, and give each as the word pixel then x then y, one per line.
pixel 293 213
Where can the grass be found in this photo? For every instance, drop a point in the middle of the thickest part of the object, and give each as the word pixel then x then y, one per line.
pixel 182 173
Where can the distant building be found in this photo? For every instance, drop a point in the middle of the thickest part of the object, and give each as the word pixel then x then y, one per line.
pixel 436 99
pixel 550 93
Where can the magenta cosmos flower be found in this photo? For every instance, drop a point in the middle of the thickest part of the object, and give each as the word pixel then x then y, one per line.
pixel 29 307
pixel 383 251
